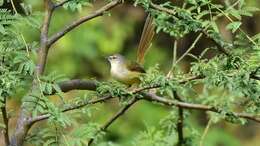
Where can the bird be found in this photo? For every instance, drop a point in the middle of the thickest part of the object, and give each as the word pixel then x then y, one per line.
pixel 125 71
pixel 129 72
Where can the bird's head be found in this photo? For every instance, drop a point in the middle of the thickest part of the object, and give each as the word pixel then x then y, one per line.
pixel 116 59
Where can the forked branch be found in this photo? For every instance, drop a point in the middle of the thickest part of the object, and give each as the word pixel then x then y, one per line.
pixel 78 22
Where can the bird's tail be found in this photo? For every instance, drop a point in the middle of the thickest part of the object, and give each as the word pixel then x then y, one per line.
pixel 146 38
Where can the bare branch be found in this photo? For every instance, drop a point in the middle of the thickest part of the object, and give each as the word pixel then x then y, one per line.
pixel 77 84
pixel 155 98
pixel 114 117
pixel 76 23
pixel 6 121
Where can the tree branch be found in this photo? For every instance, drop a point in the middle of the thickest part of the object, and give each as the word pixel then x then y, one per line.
pixel 22 125
pixel 77 84
pixel 114 117
pixel 155 98
pixel 43 52
pixel 6 121
pixel 76 23
pixel 70 108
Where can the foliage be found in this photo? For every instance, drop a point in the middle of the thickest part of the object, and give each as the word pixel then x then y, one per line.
pixel 227 80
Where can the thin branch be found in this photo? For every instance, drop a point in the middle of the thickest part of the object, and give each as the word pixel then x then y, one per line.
pixel 70 108
pixel 14 8
pixel 205 132
pixel 155 98
pixel 76 23
pixel 61 3
pixel 5 120
pixel 190 48
pixel 158 86
pixel 114 117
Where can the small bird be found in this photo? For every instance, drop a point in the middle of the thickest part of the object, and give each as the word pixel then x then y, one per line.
pixel 129 72
pixel 124 71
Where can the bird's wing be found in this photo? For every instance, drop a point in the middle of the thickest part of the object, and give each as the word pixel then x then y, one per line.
pixel 146 38
pixel 134 66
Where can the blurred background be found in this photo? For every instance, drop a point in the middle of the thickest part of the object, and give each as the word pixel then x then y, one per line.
pixel 81 54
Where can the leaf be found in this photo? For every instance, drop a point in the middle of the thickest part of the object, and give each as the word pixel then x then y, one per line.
pixel 1 2
pixel 2 29
pixel 233 26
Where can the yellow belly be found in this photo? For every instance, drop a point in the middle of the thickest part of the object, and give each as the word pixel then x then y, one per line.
pixel 128 78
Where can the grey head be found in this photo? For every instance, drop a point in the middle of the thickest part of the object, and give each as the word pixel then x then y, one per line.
pixel 116 58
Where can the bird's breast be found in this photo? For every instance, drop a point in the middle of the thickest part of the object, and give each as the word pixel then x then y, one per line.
pixel 122 74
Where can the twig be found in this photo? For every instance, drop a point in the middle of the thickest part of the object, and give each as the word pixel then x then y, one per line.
pixel 205 132
pixel 114 117
pixel 155 98
pixel 76 23
pixel 5 120
pixel 70 108
pixel 12 3
pixel 190 48
pixel 158 85
pixel 61 3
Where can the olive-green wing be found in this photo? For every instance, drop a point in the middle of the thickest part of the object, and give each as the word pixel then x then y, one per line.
pixel 146 38
pixel 134 66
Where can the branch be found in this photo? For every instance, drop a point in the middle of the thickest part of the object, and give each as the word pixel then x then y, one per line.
pixel 70 108
pixel 76 23
pixel 155 98
pixel 22 125
pixel 158 86
pixel 114 117
pixel 77 84
pixel 5 120
pixel 43 52
pixel 61 3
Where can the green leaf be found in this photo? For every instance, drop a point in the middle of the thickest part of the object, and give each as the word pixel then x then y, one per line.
pixel 233 26
pixel 2 29
pixel 1 2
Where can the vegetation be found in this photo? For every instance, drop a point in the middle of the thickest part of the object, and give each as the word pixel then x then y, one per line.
pixel 40 60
